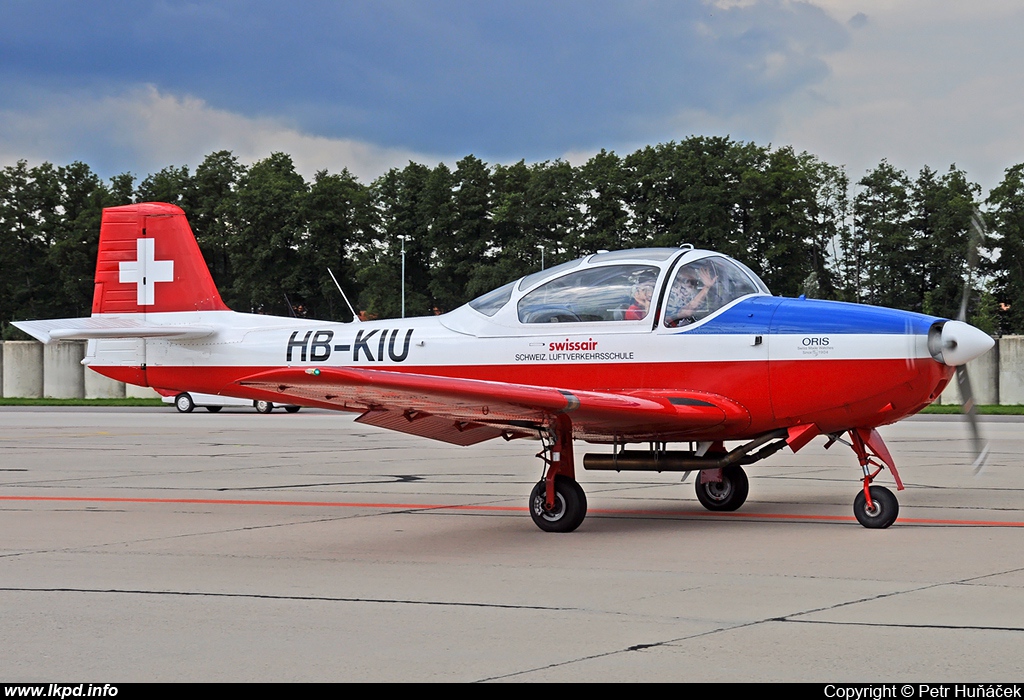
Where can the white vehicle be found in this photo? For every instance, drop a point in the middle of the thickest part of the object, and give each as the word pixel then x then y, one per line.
pixel 186 402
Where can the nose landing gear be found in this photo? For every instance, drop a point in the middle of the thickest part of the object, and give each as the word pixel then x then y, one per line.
pixel 882 510
pixel 875 507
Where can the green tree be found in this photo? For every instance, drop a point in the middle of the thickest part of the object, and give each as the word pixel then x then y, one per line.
pixel 339 213
pixel 70 202
pixel 605 222
pixel 534 207
pixel 779 219
pixel 943 207
pixel 405 221
pixel 1006 225
pixel 687 192
pixel 213 203
pixel 122 190
pixel 266 229
pixel 22 250
pixel 454 276
pixel 172 185
pixel 888 245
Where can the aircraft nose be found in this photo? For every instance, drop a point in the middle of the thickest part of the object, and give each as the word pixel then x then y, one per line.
pixel 958 343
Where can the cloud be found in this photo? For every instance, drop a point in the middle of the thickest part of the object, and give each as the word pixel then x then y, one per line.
pixel 505 80
pixel 920 83
pixel 370 84
pixel 150 129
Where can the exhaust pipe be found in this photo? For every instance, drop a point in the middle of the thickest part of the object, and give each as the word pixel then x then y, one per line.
pixel 681 460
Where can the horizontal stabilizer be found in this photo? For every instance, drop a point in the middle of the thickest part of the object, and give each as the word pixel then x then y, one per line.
pixel 98 327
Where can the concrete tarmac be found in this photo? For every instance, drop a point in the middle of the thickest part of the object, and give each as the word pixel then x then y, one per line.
pixel 146 545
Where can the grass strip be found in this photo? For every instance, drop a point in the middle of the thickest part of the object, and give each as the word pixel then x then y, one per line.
pixel 80 402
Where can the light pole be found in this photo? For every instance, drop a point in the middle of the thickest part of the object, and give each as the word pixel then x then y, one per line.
pixel 541 256
pixel 403 275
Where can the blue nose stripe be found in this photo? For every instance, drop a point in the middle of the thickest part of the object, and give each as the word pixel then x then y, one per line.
pixel 812 316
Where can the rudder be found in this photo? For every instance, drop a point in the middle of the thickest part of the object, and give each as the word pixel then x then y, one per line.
pixel 149 262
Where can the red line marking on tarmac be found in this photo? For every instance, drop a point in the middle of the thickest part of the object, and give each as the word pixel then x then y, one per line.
pixel 516 509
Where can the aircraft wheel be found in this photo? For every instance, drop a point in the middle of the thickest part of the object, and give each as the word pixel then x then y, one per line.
pixel 263 406
pixel 184 403
pixel 884 508
pixel 292 409
pixel 570 506
pixel 727 494
pixel 213 409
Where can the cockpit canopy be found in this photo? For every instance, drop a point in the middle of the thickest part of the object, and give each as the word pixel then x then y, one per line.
pixel 681 286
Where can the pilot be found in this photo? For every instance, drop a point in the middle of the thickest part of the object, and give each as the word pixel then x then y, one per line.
pixel 643 290
pixel 688 294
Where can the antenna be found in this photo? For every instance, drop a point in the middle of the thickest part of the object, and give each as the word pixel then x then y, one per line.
pixel 355 316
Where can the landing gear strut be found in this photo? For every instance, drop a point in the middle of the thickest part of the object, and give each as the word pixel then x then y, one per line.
pixel 557 502
pixel 875 507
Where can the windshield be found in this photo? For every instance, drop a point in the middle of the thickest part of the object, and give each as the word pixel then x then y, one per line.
pixel 490 303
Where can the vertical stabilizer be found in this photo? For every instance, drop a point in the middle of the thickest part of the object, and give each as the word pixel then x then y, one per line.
pixel 149 261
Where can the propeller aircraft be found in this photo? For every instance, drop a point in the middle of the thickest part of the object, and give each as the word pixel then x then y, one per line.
pixel 632 350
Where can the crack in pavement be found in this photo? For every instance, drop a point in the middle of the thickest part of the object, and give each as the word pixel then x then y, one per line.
pixel 789 619
pixel 304 598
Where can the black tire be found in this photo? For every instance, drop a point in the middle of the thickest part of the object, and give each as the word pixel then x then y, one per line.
pixel 884 513
pixel 292 409
pixel 570 505
pixel 263 406
pixel 728 494
pixel 213 409
pixel 184 403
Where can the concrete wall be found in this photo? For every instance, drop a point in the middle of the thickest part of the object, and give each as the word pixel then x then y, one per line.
pixel 23 369
pixel 1011 369
pixel 985 379
pixel 99 387
pixel 32 370
pixel 139 392
pixel 63 373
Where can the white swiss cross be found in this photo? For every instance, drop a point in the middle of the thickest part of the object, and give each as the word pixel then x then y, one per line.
pixel 146 271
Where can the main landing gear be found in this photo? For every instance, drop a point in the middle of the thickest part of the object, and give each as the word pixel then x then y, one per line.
pixel 568 511
pixel 726 494
pixel 557 502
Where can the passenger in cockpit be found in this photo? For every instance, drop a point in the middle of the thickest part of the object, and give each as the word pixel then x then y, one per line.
pixel 643 290
pixel 689 293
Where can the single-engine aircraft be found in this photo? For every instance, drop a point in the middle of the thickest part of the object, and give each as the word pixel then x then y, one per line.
pixel 632 347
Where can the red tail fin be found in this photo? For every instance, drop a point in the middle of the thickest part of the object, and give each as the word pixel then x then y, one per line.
pixel 149 261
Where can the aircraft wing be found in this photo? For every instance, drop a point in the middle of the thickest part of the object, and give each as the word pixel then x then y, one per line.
pixel 467 411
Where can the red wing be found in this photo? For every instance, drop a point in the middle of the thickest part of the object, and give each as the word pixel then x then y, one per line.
pixel 465 411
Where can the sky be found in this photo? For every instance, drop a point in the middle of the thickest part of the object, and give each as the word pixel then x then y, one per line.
pixel 370 85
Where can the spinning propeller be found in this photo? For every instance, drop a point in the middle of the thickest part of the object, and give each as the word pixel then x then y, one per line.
pixel 957 342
